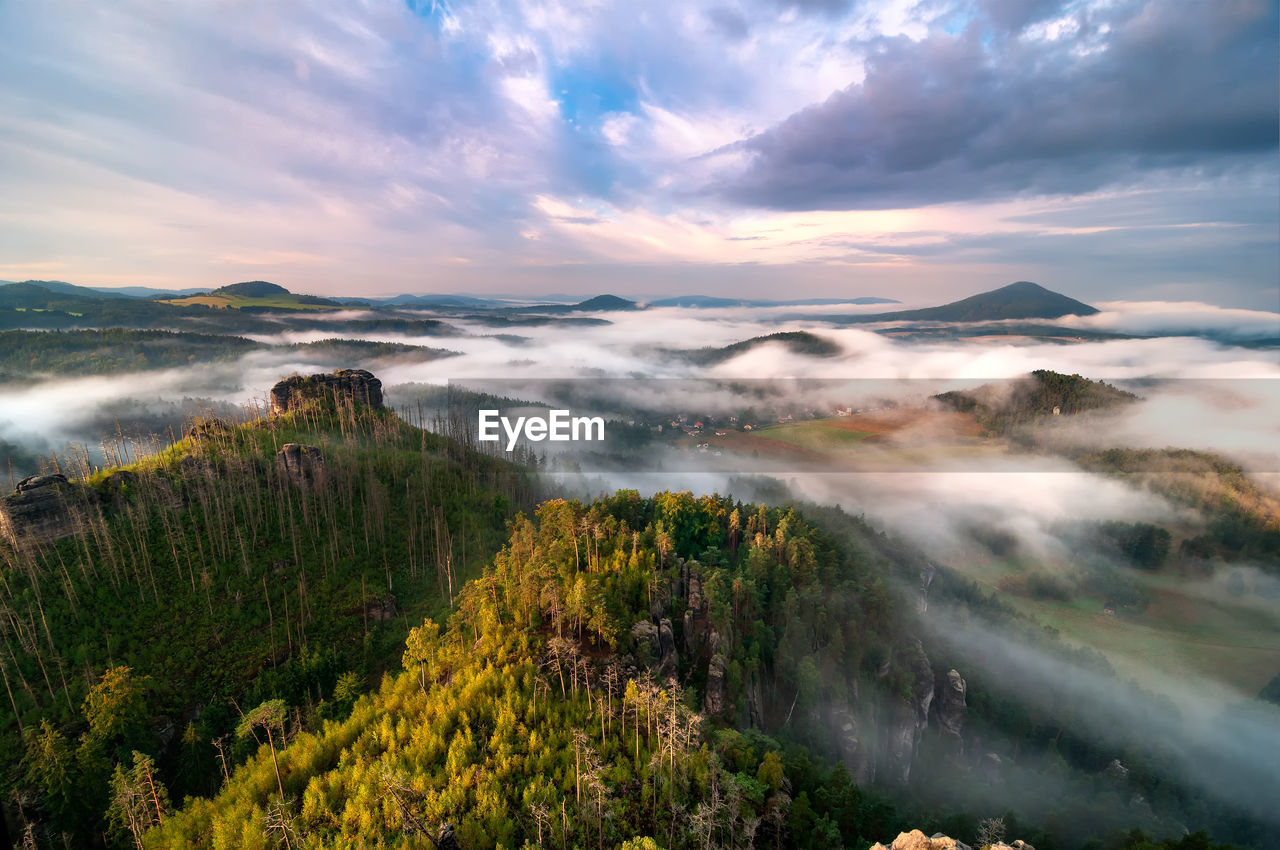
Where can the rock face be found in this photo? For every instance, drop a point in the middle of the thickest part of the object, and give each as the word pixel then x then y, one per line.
pixel 849 744
pixel 660 643
pixel 952 706
pixel 298 391
pixel 382 608
pixel 670 664
pixel 303 466
pixel 715 700
pixel 43 507
pixel 908 719
pixel 645 633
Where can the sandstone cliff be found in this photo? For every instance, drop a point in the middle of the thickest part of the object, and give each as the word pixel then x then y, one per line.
pixel 302 466
pixel 42 507
pixel 298 391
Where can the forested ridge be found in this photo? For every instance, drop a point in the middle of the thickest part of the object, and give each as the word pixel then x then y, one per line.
pixel 543 713
pixel 28 355
pixel 1002 408
pixel 204 581
pixel 535 717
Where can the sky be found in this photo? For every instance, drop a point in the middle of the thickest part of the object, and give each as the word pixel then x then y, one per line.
pixel 1108 149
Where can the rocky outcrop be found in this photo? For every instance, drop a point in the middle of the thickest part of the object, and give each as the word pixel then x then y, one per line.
pixel 951 706
pixel 649 647
pixel 657 646
pixel 300 465
pixel 715 699
pixel 908 718
pixel 917 840
pixel 695 615
pixel 669 665
pixel 850 747
pixel 43 507
pixel 298 391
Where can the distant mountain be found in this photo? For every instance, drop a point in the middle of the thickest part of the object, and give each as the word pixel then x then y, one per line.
pixel 61 287
pixel 30 295
pixel 598 304
pixel 149 292
pixel 708 301
pixel 606 303
pixel 1021 300
pixel 436 300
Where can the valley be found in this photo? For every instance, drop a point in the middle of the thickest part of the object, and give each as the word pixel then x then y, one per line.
pixel 342 557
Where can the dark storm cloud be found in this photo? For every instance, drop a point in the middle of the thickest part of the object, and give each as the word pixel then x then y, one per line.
pixel 1021 103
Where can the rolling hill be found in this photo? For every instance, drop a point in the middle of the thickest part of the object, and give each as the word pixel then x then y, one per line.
pixel 255 294
pixel 797 342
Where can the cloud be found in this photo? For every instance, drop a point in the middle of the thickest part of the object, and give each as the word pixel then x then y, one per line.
pixel 1104 94
pixel 326 145
pixel 1179 317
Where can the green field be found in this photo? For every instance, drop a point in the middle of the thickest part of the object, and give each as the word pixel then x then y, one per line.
pixel 818 435
pixel 1182 629
pixel 237 302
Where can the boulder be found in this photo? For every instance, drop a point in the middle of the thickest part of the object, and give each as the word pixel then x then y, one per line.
pixel 42 507
pixel 298 391
pixel 302 466
pixel 917 840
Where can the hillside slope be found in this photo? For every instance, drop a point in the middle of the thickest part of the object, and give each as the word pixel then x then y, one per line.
pixel 226 569
pixel 676 672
